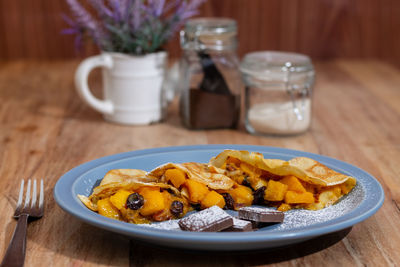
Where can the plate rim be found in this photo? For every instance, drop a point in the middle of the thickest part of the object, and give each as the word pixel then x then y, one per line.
pixel 150 234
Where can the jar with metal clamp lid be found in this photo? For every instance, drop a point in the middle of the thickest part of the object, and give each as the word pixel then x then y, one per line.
pixel 278 89
pixel 210 79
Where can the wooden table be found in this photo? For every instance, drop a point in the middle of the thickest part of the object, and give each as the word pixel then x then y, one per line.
pixel 45 130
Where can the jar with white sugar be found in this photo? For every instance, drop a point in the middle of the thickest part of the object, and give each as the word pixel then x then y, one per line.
pixel 277 93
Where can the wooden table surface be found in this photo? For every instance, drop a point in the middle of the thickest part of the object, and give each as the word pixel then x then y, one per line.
pixel 45 130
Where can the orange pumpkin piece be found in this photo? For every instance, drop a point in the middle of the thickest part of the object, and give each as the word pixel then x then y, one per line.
pixel 284 207
pixel 119 198
pixel 242 195
pixel 275 191
pixel 293 184
pixel 212 199
pixel 153 200
pixel 299 198
pixel 197 191
pixel 106 208
pixel 176 176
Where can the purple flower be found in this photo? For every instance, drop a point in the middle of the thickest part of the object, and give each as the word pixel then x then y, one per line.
pixel 129 26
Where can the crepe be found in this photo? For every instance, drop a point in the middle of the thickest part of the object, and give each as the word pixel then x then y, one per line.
pixel 158 200
pixel 206 174
pixel 310 184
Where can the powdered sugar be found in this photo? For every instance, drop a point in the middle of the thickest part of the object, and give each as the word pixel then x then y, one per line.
pixel 211 219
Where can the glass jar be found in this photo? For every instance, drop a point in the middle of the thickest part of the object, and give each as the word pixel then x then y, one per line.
pixel 278 89
pixel 210 80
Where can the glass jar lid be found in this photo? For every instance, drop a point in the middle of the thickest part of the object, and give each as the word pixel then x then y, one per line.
pixel 209 33
pixel 273 65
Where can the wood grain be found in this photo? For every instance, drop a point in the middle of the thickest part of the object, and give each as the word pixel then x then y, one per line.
pixel 45 130
pixel 320 28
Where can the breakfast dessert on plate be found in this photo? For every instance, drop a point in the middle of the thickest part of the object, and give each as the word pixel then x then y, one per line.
pixel 298 183
pixel 233 180
pixel 131 196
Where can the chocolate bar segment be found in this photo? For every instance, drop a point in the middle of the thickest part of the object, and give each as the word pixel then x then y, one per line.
pixel 240 226
pixel 261 215
pixel 213 219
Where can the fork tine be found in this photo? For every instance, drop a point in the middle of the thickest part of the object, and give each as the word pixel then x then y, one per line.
pixel 28 194
pixel 41 197
pixel 34 195
pixel 21 194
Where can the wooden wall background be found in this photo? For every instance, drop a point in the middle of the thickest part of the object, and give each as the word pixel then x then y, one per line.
pixel 320 28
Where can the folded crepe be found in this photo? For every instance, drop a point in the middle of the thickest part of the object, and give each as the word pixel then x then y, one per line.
pixel 132 196
pixel 202 184
pixel 298 183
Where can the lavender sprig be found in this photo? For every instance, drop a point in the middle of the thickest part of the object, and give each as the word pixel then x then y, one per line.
pixel 130 26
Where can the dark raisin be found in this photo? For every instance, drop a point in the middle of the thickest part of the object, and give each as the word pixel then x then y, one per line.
pixel 246 181
pixel 176 208
pixel 135 201
pixel 259 195
pixel 197 206
pixel 229 201
pixel 169 190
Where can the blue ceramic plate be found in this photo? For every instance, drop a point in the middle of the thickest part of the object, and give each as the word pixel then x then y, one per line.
pixel 299 225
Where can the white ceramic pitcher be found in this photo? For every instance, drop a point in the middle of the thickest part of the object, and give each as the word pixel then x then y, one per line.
pixel 132 86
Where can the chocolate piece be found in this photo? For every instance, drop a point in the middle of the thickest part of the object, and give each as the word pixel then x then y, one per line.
pixel 213 219
pixel 260 214
pixel 240 226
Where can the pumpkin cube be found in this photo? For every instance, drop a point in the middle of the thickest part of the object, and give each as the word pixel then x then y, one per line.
pixel 284 207
pixel 197 191
pixel 176 176
pixel 119 198
pixel 275 191
pixel 106 208
pixel 212 199
pixel 242 195
pixel 153 200
pixel 293 197
pixel 293 184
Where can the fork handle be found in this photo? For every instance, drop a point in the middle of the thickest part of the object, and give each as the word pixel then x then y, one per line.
pixel 15 255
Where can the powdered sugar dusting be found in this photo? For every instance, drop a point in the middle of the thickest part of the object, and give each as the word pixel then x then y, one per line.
pixel 240 223
pixel 202 220
pixel 166 225
pixel 260 210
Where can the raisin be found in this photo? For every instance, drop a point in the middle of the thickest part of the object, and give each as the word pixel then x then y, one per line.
pixel 196 206
pixel 229 201
pixel 176 208
pixel 135 201
pixel 259 195
pixel 246 182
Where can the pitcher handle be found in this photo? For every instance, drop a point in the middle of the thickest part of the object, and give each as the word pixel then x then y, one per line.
pixel 81 82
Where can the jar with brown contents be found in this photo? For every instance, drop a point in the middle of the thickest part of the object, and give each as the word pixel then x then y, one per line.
pixel 210 79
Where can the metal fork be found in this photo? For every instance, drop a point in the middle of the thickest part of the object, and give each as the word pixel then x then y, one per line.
pixel 15 255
